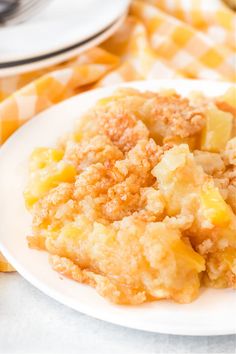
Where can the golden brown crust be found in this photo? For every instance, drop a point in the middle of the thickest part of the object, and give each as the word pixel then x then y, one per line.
pixel 174 116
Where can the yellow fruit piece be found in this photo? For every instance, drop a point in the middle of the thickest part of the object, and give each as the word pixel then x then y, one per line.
pixel 30 199
pixel 45 179
pixel 178 175
pixel 72 232
pixel 215 209
pixel 171 240
pixel 77 136
pixel 217 131
pixel 167 92
pixel 43 157
pixel 230 96
pixel 182 250
pixel 196 97
pixel 106 100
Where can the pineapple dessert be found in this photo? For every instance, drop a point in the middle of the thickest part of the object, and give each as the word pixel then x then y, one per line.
pixel 139 201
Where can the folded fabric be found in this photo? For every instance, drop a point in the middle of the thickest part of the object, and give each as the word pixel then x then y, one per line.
pixel 160 39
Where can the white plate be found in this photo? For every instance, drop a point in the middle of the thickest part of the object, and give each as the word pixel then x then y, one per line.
pixel 214 312
pixel 60 25
pixel 59 58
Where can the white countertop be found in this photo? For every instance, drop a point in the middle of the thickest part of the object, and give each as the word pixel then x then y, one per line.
pixel 32 323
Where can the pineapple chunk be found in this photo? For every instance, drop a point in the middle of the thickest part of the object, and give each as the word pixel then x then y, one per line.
pixel 106 100
pixel 30 199
pixel 43 157
pixel 178 175
pixel 214 207
pixel 47 178
pixel 217 131
pixel 167 92
pixel 188 255
pixel 161 236
pixel 230 96
pixel 77 136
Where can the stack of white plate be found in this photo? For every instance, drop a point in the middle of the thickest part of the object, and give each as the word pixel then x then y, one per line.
pixel 60 31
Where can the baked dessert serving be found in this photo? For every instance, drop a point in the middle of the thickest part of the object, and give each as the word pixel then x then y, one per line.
pixel 139 201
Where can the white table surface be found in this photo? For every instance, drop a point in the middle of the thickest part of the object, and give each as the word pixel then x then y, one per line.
pixel 32 323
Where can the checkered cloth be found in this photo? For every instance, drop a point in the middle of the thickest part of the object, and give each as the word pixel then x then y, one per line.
pixel 160 39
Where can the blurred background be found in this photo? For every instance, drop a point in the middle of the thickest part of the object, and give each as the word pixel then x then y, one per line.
pixel 66 47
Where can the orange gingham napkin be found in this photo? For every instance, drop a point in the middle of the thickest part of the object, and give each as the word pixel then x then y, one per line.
pixel 160 39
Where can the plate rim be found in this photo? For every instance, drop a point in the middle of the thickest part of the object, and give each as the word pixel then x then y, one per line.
pixel 43 57
pixel 61 298
pixel 161 329
pixel 125 7
pixel 65 55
